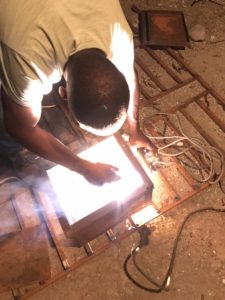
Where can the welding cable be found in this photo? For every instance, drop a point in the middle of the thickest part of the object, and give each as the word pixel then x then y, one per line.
pixel 166 282
pixel 135 282
pixel 206 152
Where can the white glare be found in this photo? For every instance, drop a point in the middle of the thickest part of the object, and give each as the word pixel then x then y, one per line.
pixel 78 198
pixel 145 215
pixel 122 50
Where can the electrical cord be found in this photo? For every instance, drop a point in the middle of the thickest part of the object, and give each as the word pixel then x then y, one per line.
pixel 166 281
pixel 206 153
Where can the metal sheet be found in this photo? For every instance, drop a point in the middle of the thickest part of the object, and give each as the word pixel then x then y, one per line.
pixel 161 28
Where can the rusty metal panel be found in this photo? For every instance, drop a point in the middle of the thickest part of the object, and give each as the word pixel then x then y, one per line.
pixel 163 28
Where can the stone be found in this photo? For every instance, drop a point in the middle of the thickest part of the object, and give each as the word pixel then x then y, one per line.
pixel 197 33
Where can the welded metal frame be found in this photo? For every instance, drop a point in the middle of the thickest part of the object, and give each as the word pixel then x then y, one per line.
pixel 101 220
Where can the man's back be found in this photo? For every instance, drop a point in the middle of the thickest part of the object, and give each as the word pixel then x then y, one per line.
pixel 38 37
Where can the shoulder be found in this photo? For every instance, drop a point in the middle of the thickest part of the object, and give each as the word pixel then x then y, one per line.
pixel 17 115
pixel 19 78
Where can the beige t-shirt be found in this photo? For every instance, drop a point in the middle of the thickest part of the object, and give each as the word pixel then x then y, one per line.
pixel 38 36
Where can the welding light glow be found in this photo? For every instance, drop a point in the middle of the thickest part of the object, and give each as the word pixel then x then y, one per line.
pixel 78 198
pixel 144 215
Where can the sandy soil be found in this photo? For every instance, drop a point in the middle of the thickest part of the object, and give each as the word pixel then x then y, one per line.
pixel 199 270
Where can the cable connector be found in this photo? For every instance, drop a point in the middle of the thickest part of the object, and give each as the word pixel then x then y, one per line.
pixel 144 233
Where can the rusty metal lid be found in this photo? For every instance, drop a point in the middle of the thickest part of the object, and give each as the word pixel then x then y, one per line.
pixel 162 28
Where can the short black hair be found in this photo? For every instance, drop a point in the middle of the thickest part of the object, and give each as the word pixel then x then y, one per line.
pixel 98 93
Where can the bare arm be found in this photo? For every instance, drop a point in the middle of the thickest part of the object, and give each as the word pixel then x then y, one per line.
pixel 132 117
pixel 21 123
pixel 136 136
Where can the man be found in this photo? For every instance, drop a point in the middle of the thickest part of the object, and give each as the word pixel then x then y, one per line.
pixel 87 42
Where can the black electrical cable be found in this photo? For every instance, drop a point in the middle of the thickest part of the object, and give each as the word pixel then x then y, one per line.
pixel 142 272
pixel 135 250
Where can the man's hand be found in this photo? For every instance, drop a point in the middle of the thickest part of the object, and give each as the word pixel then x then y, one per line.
pixel 21 123
pixel 99 173
pixel 139 140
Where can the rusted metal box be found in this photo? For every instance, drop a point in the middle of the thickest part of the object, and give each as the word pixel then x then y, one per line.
pixel 84 227
pixel 162 28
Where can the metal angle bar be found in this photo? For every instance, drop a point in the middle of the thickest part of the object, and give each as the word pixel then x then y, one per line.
pixel 186 197
pixel 171 90
pixel 197 76
pixel 88 249
pixel 200 130
pixel 16 294
pixel 111 235
pixel 181 61
pixel 212 115
pixel 188 101
pixel 163 65
pixel 143 66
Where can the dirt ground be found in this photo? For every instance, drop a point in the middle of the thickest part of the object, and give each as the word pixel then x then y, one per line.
pixel 199 269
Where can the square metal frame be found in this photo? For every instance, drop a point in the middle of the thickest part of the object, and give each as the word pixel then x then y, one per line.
pixel 101 220
pixel 162 28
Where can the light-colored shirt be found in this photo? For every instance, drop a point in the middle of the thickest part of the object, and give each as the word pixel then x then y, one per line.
pixel 37 37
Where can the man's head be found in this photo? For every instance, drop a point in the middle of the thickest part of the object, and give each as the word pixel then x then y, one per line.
pixel 97 92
